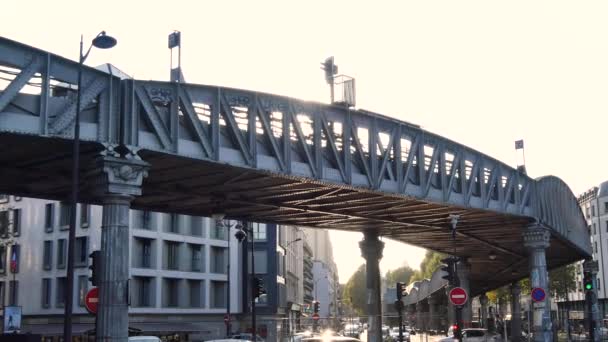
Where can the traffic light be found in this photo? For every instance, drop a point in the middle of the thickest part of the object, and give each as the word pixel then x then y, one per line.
pixel 457 333
pixel 95 267
pixel 449 267
pixel 330 69
pixel 315 307
pixel 400 290
pixel 587 281
pixel 258 287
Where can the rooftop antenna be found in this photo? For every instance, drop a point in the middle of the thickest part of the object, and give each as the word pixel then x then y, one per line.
pixel 519 145
pixel 345 84
pixel 176 75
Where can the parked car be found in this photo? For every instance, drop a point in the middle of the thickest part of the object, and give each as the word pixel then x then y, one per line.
pixel 246 336
pixel 144 339
pixel 394 334
pixel 473 335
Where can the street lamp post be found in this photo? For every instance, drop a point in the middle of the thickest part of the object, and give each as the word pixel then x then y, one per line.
pixel 101 41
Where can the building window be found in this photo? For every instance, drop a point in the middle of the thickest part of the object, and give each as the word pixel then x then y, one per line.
pixel 218 260
pixel 4 222
pixel 46 293
pixel 587 214
pixel 61 249
pixel 599 287
pixel 144 287
pixel 172 292
pixel 49 217
pixel 15 257
pixel 196 226
pixel 3 250
pixel 173 255
pixel 259 231
pixel 218 294
pixel 85 215
pixel 83 282
pixel 174 223
pixel 197 258
pixel 594 229
pixel 605 207
pixel 593 210
pixel 146 253
pixel 16 222
pixel 595 247
pixel 47 255
pixel 65 210
pixel 60 295
pixel 146 220
pixel 2 292
pixel 218 232
pixel 81 255
pixel 195 293
pixel 13 292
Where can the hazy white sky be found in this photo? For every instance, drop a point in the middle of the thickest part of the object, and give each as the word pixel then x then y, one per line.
pixel 483 73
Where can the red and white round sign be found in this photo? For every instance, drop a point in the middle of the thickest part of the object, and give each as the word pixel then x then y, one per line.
pixel 458 296
pixel 91 300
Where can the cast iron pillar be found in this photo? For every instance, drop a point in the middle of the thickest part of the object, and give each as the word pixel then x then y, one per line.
pixel 592 311
pixel 515 309
pixel 117 181
pixel 483 300
pixel 371 250
pixel 536 240
pixel 464 270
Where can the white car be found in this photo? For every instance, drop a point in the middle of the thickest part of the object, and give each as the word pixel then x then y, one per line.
pixel 395 334
pixel 473 335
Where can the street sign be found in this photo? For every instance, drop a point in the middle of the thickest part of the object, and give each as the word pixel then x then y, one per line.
pixel 315 316
pixel 538 294
pixel 458 296
pixel 91 300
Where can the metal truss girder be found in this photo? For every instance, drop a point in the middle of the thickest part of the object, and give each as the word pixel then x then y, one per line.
pixel 16 84
pixel 228 116
pixel 65 117
pixel 153 117
pixel 195 123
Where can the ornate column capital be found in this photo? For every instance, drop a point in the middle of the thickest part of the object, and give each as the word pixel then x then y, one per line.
pixel 536 237
pixel 116 175
pixel 371 246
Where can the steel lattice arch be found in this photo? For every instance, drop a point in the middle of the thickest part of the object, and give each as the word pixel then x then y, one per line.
pixel 269 158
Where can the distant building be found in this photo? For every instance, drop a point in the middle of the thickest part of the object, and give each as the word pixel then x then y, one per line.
pixel 594 204
pixel 178 268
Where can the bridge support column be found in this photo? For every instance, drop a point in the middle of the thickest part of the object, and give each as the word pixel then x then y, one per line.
pixel 464 270
pixel 483 300
pixel 117 181
pixel 433 314
pixel 536 240
pixel 592 311
pixel 515 310
pixel 371 250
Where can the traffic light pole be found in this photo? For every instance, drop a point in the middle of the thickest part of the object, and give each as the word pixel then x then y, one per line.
pixel 253 286
pixel 456 280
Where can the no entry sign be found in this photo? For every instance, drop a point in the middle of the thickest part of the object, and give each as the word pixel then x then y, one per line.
pixel 458 296
pixel 91 300
pixel 538 294
pixel 315 316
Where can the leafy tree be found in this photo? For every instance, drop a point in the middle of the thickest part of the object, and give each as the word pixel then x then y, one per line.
pixel 562 281
pixel 355 290
pixel 429 264
pixel 402 274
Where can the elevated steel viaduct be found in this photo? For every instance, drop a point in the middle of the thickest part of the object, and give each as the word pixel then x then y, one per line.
pixel 199 150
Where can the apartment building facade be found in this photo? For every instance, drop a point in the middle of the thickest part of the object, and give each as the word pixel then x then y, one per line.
pixel 178 268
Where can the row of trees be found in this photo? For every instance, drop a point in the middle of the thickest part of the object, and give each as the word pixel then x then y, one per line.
pixel 562 281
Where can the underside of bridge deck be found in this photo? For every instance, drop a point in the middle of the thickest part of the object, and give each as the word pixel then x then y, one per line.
pixel 40 167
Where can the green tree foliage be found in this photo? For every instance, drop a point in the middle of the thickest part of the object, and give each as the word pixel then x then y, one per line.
pixel 430 263
pixel 562 281
pixel 402 274
pixel 355 290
